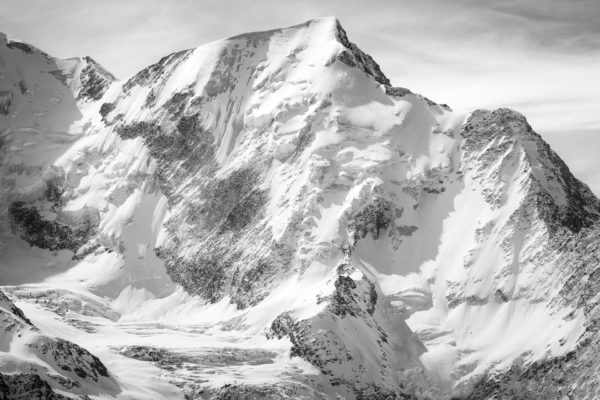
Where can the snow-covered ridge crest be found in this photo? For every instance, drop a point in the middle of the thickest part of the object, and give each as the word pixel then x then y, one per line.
pixel 274 190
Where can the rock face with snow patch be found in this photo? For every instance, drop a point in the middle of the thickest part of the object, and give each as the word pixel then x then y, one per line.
pixel 52 364
pixel 400 249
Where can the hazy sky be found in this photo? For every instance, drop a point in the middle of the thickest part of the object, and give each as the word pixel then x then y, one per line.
pixel 540 57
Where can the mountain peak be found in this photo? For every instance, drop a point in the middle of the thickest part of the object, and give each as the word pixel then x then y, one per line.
pixel 274 185
pixel 325 26
pixel 354 56
pixel 257 58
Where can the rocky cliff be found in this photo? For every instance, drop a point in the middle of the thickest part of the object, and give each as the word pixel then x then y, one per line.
pixel 274 197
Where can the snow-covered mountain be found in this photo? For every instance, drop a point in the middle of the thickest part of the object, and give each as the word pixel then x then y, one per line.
pixel 265 216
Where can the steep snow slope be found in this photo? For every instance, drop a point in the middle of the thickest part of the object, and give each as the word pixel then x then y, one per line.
pixel 272 195
pixel 37 366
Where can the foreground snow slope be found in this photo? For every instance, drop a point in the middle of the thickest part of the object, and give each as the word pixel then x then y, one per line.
pixel 271 196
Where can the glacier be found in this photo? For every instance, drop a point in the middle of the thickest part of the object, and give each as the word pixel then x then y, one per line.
pixel 266 216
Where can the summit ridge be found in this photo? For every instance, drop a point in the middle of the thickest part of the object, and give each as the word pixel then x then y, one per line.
pixel 266 216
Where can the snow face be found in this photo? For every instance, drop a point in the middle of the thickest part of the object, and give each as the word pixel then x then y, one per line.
pixel 63 364
pixel 266 210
